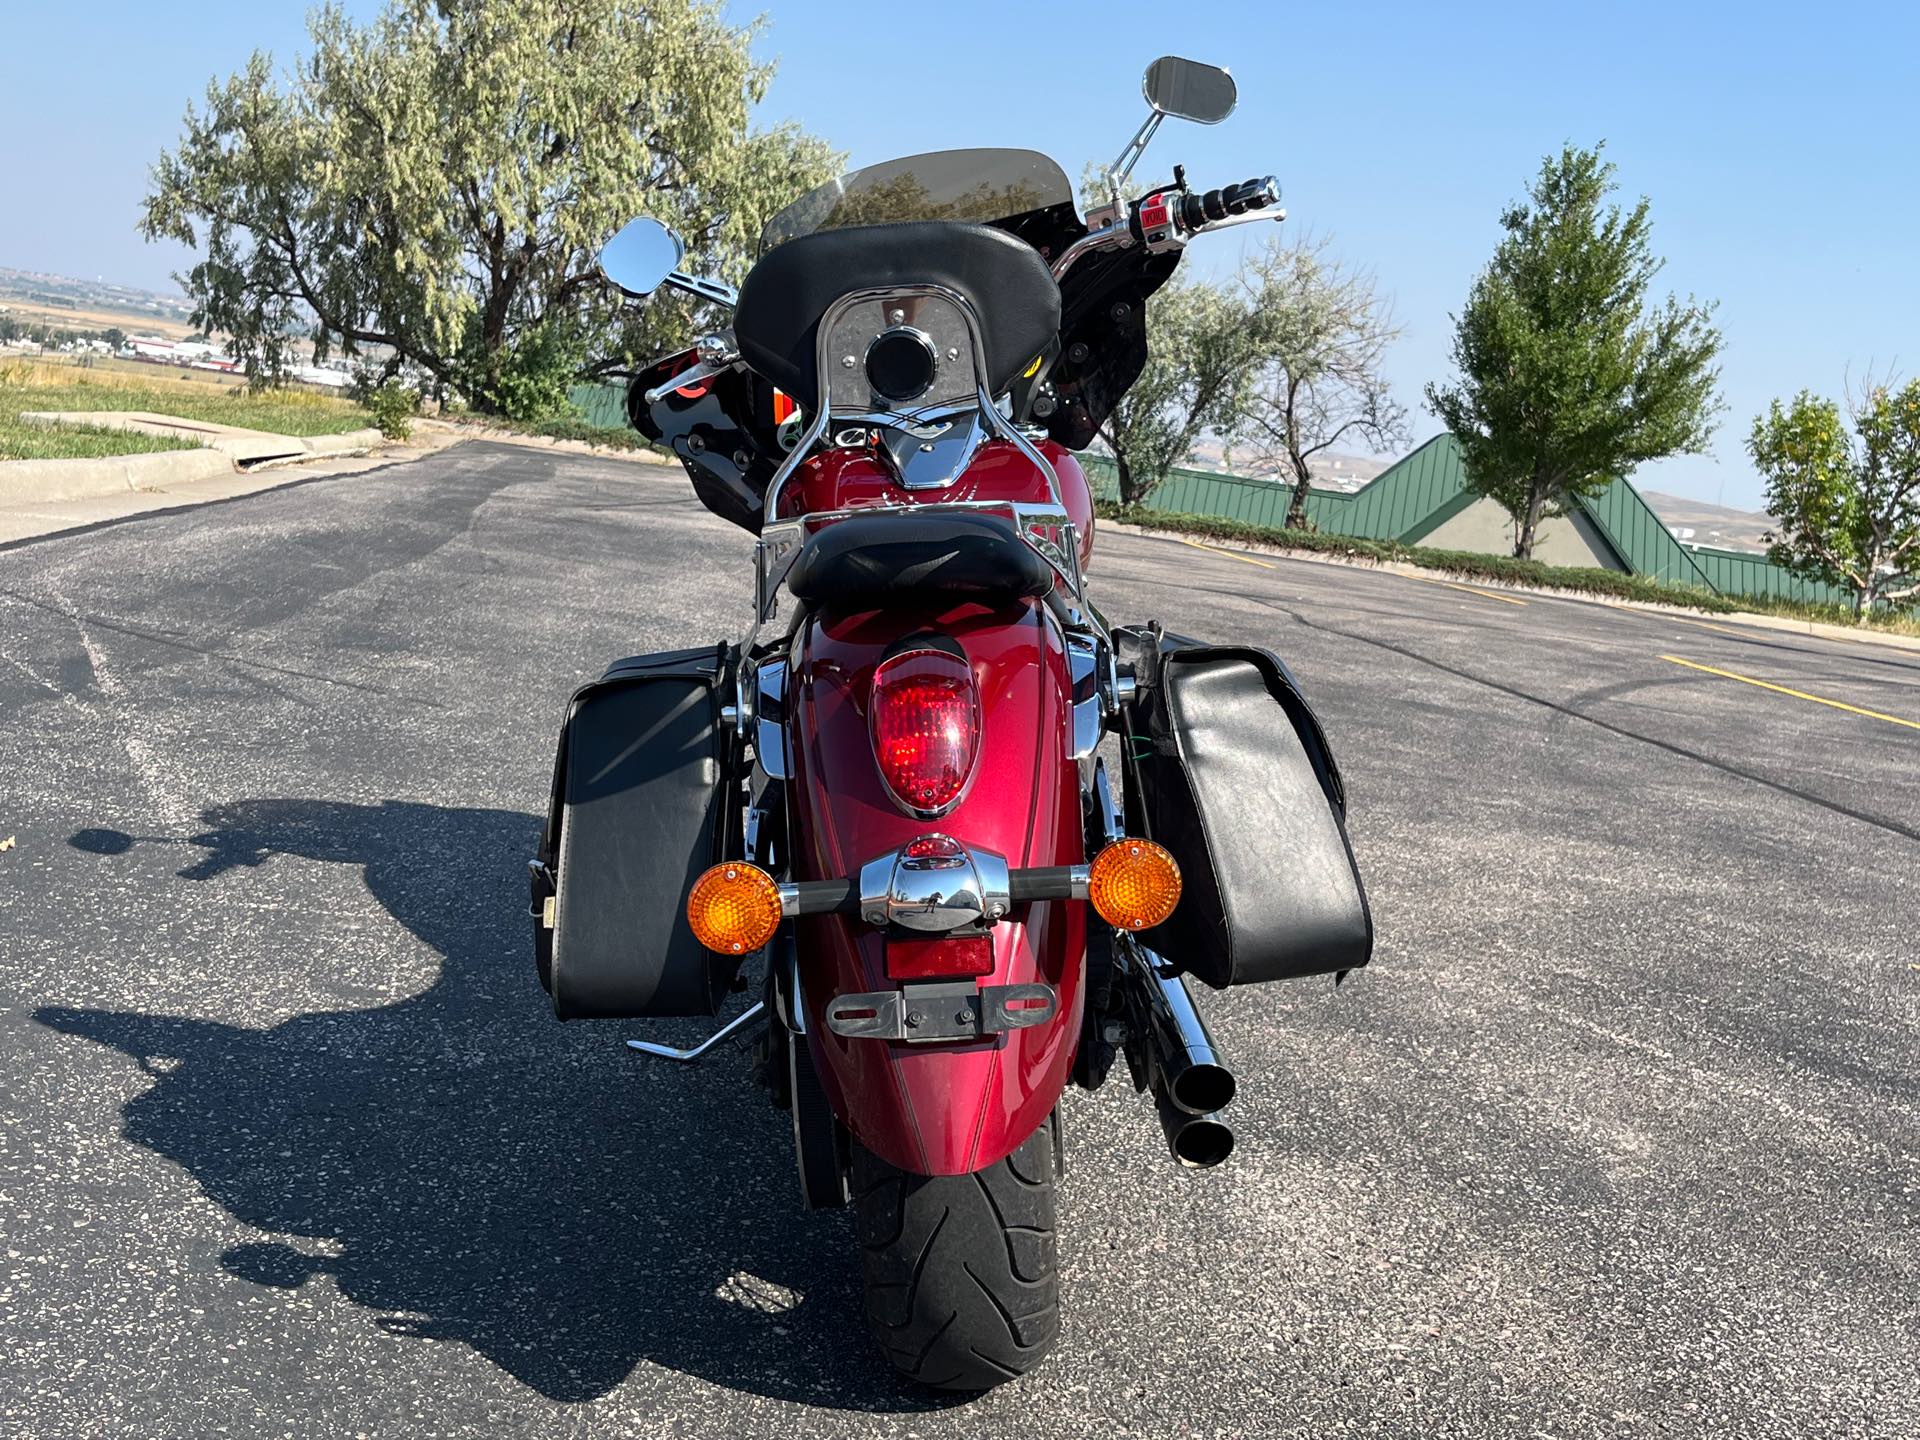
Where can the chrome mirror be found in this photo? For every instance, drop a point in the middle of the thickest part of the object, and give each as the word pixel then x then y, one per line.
pixel 1188 90
pixel 641 258
pixel 1184 89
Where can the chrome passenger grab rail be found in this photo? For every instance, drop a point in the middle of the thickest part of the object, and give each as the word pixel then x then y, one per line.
pixel 781 537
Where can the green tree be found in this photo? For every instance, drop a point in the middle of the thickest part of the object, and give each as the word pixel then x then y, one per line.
pixel 1848 511
pixel 1569 376
pixel 1198 377
pixel 438 181
pixel 1320 337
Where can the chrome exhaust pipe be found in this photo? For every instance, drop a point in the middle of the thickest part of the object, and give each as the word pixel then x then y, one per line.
pixel 1198 1142
pixel 1190 1082
pixel 1197 1079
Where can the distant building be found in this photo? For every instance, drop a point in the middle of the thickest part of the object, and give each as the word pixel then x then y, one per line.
pixel 193 354
pixel 1423 499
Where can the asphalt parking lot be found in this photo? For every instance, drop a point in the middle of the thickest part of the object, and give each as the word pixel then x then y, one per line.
pixel 1617 1136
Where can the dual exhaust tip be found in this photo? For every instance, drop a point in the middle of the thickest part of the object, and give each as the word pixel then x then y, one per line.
pixel 1190 1107
pixel 1191 1084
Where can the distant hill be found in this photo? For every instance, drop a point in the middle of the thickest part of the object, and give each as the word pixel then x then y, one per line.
pixel 1694 522
pixel 92 304
pixel 1331 470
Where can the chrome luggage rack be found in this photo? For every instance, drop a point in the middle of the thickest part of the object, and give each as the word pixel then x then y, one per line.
pixel 1046 528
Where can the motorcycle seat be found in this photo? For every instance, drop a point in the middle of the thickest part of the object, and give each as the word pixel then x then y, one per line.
pixel 871 559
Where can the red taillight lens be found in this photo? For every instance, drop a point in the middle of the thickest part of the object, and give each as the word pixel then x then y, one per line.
pixel 925 721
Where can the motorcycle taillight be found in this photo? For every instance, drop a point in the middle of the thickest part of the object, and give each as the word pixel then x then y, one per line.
pixel 924 718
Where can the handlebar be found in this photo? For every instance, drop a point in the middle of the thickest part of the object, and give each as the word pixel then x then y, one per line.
pixel 1167 219
pixel 1170 217
pixel 1197 212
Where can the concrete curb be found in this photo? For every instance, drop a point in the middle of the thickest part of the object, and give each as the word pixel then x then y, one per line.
pixel 24 519
pixel 353 442
pixel 33 481
pixel 224 449
pixel 465 430
pixel 1816 629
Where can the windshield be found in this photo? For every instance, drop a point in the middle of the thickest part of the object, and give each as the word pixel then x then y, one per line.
pixel 975 185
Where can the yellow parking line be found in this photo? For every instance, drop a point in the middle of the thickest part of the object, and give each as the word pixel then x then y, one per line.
pixel 1796 694
pixel 1215 549
pixel 1468 589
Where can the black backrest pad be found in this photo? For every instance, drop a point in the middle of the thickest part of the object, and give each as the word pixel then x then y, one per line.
pixel 777 322
pixel 873 559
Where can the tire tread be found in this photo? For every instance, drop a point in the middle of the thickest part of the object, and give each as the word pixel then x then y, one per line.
pixel 961 1271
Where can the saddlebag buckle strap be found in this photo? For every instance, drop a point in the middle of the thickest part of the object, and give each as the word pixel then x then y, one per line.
pixel 541 903
pixel 946 1010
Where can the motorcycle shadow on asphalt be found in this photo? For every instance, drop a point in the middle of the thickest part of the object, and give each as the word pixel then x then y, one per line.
pixel 473 1172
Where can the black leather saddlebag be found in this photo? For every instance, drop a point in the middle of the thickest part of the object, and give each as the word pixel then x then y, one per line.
pixel 646 792
pixel 1229 769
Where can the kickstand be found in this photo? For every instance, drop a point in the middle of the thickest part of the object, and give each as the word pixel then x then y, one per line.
pixel 754 1013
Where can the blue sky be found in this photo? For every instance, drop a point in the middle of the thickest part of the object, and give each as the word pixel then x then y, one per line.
pixel 1777 142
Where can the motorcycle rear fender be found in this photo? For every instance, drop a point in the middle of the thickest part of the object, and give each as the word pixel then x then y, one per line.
pixel 954 1107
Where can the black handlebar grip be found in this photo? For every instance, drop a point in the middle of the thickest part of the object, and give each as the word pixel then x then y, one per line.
pixel 1254 194
pixel 1193 210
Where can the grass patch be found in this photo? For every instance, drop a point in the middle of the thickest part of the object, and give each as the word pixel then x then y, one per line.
pixel 20 441
pixel 1894 622
pixel 612 437
pixel 1471 566
pixel 48 387
pixel 105 369
pixel 72 442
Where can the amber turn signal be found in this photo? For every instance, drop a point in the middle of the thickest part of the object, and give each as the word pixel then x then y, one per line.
pixel 1134 884
pixel 734 908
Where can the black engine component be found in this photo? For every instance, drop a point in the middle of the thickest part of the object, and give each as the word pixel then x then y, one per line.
pixel 1103 334
pixel 730 462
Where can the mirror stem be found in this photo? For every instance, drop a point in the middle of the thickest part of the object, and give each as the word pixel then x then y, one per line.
pixel 1122 167
pixel 714 290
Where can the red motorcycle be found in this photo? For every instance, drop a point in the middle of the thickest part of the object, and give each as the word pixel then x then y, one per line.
pixel 893 791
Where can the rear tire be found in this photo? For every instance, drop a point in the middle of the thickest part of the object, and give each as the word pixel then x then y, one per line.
pixel 962 1272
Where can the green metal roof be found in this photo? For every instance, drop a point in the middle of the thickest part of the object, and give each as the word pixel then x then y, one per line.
pixel 1640 538
pixel 1409 501
pixel 1397 504
pixel 602 405
pixel 1404 501
pixel 1436 474
pixel 1417 495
